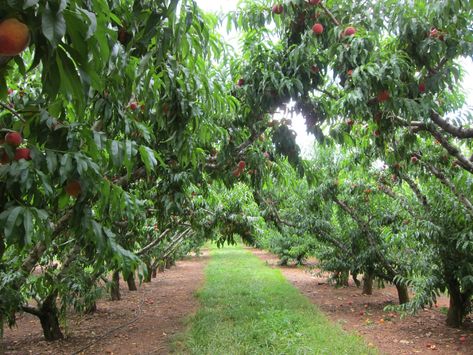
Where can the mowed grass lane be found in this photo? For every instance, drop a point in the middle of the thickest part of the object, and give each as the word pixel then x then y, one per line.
pixel 249 308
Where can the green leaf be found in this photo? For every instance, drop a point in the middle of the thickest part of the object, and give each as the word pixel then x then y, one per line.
pixel 53 25
pixel 11 220
pixel 28 225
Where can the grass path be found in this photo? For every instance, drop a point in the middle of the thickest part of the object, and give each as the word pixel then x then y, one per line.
pixel 249 308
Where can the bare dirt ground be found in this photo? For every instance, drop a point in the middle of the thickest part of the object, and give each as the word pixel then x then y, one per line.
pixel 148 318
pixel 425 333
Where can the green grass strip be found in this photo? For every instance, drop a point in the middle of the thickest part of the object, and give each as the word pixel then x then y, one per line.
pixel 249 308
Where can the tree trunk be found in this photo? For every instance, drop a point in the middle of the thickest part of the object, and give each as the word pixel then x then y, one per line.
pixel 148 273
pixel 49 319
pixel 130 280
pixel 154 273
pixel 368 283
pixel 115 287
pixel 402 293
pixel 161 267
pixel 341 278
pixel 91 308
pixel 167 263
pixel 458 305
pixel 354 276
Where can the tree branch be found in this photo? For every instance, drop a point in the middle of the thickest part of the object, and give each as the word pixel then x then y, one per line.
pixel 446 181
pixel 458 132
pixel 14 113
pixel 392 273
pixel 158 240
pixel 330 14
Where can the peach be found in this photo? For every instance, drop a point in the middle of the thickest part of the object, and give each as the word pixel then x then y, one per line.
pixel 14 37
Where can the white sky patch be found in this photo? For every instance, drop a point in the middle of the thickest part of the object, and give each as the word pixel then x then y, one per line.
pixel 304 140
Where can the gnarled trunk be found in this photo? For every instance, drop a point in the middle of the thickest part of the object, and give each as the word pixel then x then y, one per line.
pixel 148 273
pixel 167 263
pixel 130 280
pixel 368 283
pixel 354 276
pixel 49 318
pixel 161 267
pixel 402 293
pixel 341 278
pixel 115 287
pixel 91 308
pixel 459 303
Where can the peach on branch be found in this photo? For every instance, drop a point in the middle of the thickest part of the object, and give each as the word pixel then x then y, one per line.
pixel 14 37
pixel 13 138
pixel 318 29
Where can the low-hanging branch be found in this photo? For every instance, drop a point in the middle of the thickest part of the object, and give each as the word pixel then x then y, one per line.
pixel 369 233
pixel 420 196
pixel 330 14
pixel 405 204
pixel 170 249
pixel 458 132
pixel 451 186
pixel 416 126
pixel 155 242
pixel 172 243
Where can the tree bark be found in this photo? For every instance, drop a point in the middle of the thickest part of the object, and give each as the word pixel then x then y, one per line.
pixel 149 272
pixel 49 318
pixel 154 273
pixel 167 264
pixel 368 283
pixel 115 287
pixel 458 305
pixel 354 276
pixel 161 267
pixel 130 280
pixel 341 278
pixel 91 308
pixel 402 293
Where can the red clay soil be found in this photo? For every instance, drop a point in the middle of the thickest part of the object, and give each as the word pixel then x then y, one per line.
pixel 424 333
pixel 148 318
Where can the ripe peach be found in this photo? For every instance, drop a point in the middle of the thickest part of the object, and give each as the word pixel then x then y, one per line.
pixel 278 9
pixel 314 2
pixel 13 138
pixel 414 159
pixel 318 29
pixel 22 153
pixel 133 105
pixel 422 87
pixel 14 37
pixel 383 95
pixel 73 188
pixel 241 165
pixel 241 82
pixel 314 69
pixel 349 31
